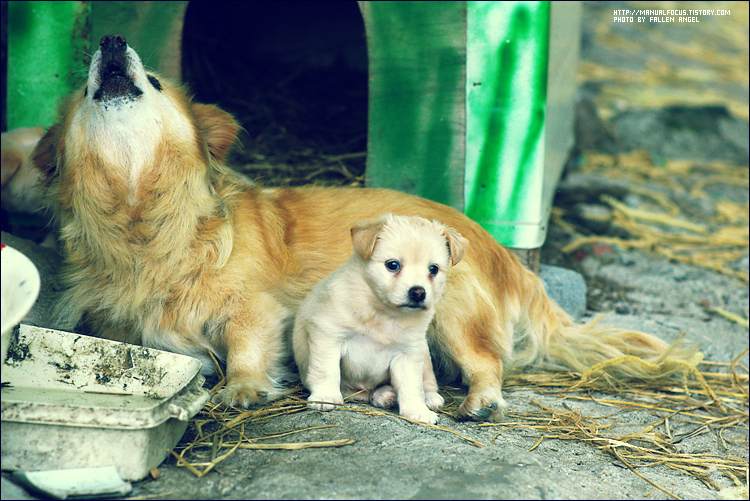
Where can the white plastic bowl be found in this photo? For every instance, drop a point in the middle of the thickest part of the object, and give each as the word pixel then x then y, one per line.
pixel 20 288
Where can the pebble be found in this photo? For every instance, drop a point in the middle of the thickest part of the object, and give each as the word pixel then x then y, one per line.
pixel 566 287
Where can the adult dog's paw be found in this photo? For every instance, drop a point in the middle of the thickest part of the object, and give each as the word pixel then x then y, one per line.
pixel 245 395
pixel 324 401
pixel 486 405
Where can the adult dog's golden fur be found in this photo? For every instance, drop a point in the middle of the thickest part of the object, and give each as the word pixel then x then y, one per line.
pixel 165 246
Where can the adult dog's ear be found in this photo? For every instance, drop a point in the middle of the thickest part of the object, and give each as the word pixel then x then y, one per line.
pixel 217 127
pixel 44 156
pixel 456 245
pixel 364 236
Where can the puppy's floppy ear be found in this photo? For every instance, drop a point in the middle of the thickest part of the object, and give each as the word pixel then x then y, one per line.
pixel 217 127
pixel 44 156
pixel 456 245
pixel 364 236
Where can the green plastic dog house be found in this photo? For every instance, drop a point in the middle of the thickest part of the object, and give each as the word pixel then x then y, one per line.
pixel 471 104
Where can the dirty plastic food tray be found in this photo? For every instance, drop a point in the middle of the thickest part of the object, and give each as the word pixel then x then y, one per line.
pixel 72 401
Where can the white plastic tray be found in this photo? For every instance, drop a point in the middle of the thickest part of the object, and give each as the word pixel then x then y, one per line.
pixel 72 401
pixel 20 288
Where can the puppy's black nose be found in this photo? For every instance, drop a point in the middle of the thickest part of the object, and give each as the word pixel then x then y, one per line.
pixel 417 294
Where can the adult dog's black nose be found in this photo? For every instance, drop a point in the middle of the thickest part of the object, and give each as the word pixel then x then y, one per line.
pixel 114 70
pixel 417 294
pixel 113 52
pixel 113 43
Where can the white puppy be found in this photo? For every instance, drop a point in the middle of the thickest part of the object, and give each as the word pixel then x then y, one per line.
pixel 365 325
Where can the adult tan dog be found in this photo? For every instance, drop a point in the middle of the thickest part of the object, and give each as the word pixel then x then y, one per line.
pixel 164 246
pixel 362 330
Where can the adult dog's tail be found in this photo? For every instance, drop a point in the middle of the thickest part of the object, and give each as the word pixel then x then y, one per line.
pixel 552 339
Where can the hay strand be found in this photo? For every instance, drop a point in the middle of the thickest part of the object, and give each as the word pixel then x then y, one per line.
pixel 372 412
pixel 295 446
pixel 732 317
pixel 653 217
pixel 647 447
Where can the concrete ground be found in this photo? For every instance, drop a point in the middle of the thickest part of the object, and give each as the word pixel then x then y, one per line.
pixel 392 458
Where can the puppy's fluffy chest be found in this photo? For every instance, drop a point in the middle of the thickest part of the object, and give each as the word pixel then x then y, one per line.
pixel 373 334
pixel 384 329
pixel 366 358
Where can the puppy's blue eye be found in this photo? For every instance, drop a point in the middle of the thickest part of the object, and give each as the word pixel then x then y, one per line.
pixel 434 269
pixel 393 266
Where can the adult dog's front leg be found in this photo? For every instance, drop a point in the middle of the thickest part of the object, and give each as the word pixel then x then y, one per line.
pixel 468 341
pixel 255 348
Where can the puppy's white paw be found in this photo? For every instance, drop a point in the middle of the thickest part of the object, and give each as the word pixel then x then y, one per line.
pixel 355 395
pixel 324 401
pixel 419 413
pixel 433 400
pixel 384 397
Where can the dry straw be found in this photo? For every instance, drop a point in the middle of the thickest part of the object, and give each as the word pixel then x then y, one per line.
pixel 713 400
pixel 709 402
pixel 714 242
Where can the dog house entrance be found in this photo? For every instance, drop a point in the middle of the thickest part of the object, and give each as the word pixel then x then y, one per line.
pixel 295 76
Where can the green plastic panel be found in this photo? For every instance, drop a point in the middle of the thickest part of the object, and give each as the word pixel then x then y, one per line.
pixel 416 122
pixel 471 105
pixel 507 63
pixel 48 52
